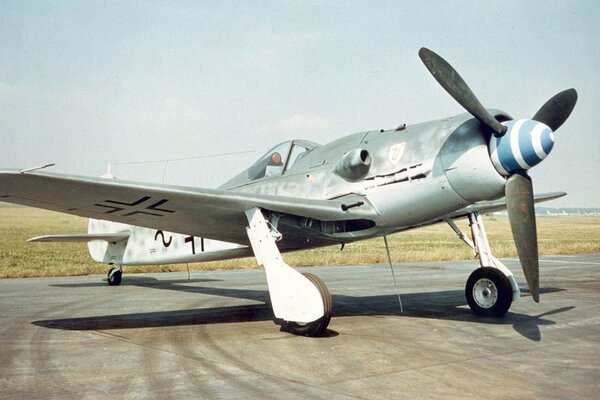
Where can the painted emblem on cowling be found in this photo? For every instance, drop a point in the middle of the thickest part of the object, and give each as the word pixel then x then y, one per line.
pixel 396 152
pixel 525 144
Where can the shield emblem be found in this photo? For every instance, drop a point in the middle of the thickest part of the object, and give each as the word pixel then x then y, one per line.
pixel 396 152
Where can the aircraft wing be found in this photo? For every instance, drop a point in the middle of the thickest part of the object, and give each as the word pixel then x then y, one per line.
pixel 499 205
pixel 209 213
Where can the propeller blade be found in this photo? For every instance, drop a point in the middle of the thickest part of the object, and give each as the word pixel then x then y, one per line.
pixel 555 111
pixel 521 214
pixel 456 87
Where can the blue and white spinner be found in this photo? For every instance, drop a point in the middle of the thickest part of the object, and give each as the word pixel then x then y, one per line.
pixel 525 144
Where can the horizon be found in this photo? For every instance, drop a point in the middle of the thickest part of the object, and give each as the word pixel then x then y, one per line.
pixel 85 85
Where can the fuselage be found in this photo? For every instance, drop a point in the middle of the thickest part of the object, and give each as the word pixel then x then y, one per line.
pixel 417 175
pixel 410 176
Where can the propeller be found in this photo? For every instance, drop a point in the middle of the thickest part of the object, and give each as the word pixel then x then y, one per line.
pixel 555 111
pixel 456 87
pixel 515 147
pixel 521 215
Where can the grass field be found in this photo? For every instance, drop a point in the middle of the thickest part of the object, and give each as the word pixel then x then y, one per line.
pixel 557 235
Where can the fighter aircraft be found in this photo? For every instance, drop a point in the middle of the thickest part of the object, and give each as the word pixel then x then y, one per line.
pixel 302 195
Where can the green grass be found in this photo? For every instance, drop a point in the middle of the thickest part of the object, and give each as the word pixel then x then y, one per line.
pixel 18 258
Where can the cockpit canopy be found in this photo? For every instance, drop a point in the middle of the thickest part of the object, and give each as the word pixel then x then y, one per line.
pixel 279 159
pixel 274 162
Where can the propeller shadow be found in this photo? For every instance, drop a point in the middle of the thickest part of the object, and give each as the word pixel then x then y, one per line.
pixel 529 326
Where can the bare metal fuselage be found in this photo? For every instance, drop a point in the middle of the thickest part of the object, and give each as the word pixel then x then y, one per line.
pixel 441 166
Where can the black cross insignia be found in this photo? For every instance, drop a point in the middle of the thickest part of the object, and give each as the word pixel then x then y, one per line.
pixel 137 207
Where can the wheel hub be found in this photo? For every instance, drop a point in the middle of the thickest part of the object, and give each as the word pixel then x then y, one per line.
pixel 485 293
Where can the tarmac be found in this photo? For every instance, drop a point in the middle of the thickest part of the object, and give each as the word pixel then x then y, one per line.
pixel 212 337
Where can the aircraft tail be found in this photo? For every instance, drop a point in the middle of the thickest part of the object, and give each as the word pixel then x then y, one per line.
pixel 145 246
pixel 122 244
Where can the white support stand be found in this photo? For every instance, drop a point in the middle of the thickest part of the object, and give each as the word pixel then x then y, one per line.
pixel 481 249
pixel 293 296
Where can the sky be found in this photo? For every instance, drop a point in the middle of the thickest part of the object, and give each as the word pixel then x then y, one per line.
pixel 84 84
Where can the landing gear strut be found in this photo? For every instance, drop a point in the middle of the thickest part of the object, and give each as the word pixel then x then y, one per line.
pixel 490 289
pixel 114 276
pixel 301 302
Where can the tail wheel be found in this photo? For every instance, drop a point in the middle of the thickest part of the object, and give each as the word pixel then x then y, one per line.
pixel 318 327
pixel 114 276
pixel 488 292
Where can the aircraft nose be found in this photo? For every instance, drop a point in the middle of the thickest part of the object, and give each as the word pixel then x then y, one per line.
pixel 525 144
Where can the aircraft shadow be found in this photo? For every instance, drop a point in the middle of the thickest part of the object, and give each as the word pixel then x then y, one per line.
pixel 144 281
pixel 215 315
pixel 444 305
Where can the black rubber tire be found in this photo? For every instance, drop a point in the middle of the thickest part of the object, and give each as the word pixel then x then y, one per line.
pixel 318 327
pixel 114 279
pixel 488 292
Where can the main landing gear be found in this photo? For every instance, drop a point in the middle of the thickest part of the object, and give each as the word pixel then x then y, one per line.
pixel 488 292
pixel 490 289
pixel 114 276
pixel 301 303
pixel 318 327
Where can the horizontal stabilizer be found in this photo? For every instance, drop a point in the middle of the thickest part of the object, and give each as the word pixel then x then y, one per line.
pixel 85 237
pixel 500 205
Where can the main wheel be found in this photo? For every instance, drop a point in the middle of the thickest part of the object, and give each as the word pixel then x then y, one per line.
pixel 114 276
pixel 318 327
pixel 488 292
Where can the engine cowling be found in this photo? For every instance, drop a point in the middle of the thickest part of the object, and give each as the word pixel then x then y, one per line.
pixel 467 164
